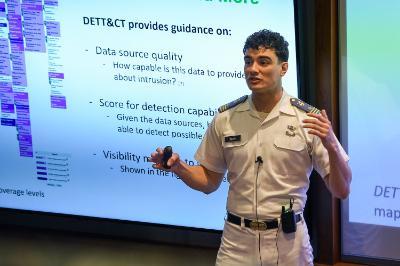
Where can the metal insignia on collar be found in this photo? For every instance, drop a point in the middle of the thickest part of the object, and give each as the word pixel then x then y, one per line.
pixel 290 133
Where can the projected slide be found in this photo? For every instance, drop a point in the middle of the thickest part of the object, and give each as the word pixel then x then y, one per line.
pixel 374 113
pixel 89 89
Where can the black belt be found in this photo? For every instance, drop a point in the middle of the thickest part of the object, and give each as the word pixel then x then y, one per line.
pixel 257 225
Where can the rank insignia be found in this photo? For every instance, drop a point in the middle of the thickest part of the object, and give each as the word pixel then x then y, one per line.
pixel 232 104
pixel 304 106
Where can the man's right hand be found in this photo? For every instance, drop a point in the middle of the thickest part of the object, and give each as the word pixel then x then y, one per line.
pixel 196 176
pixel 157 159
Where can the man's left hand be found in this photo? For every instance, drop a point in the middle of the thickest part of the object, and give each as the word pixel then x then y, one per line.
pixel 319 125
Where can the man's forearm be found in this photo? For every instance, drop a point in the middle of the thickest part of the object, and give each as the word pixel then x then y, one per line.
pixel 340 174
pixel 198 177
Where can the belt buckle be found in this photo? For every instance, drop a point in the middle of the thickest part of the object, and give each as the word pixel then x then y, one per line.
pixel 256 225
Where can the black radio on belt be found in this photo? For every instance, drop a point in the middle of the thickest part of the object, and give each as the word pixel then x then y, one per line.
pixel 288 219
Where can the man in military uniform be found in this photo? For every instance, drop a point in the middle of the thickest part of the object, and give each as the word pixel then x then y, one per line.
pixel 268 142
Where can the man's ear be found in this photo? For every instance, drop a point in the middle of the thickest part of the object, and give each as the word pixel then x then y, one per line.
pixel 284 68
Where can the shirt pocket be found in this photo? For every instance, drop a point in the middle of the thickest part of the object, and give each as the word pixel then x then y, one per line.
pixel 290 156
pixel 294 144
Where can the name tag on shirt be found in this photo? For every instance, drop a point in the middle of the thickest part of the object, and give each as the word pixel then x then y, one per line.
pixel 233 138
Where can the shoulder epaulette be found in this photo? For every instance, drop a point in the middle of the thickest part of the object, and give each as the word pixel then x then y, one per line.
pixel 232 104
pixel 304 106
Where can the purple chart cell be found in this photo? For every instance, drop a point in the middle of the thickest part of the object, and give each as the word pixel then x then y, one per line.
pixel 8 122
pixel 25 139
pixel 34 28
pixel 51 2
pixel 56 75
pixel 58 102
pixel 5 65
pixel 7 108
pixel 53 28
pixel 2 9
pixel 14 7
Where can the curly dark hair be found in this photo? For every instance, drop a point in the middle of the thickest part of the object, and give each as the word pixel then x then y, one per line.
pixel 269 40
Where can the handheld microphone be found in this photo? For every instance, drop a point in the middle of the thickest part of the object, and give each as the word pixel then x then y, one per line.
pixel 259 159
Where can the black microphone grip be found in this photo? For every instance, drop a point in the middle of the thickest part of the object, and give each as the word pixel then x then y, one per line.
pixel 167 154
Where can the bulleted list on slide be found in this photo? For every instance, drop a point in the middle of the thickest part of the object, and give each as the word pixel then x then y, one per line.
pixel 88 93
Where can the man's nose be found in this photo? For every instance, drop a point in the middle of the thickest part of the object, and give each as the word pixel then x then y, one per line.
pixel 252 68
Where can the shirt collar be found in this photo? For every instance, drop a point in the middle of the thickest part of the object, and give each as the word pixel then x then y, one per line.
pixel 283 106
